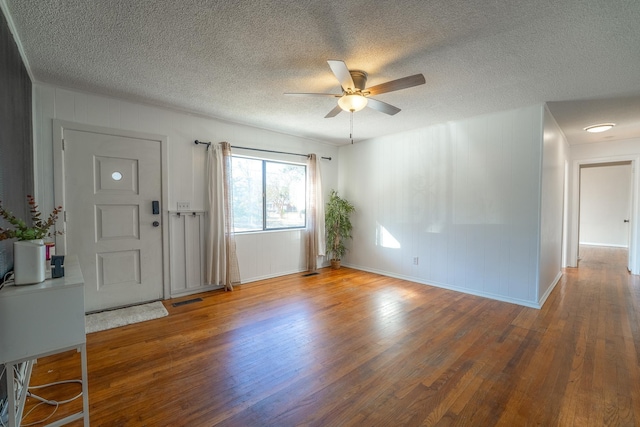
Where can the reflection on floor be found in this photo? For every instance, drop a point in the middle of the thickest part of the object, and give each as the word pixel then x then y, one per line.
pixel 591 255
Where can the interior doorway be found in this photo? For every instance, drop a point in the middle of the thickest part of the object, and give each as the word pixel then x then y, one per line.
pixel 605 208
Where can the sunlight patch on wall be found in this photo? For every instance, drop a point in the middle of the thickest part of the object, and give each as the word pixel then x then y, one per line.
pixel 386 239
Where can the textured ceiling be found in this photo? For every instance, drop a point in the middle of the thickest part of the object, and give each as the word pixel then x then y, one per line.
pixel 235 59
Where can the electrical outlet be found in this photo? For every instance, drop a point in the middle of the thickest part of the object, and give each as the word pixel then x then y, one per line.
pixel 415 260
pixel 184 206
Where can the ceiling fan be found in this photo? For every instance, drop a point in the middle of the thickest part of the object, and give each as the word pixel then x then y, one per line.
pixel 355 95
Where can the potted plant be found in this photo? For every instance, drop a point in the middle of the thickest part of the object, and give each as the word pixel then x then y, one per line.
pixel 21 231
pixel 338 227
pixel 29 251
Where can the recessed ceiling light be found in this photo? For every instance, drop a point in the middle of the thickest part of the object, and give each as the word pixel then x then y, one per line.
pixel 599 127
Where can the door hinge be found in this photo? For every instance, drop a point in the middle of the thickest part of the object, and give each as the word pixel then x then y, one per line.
pixel 65 216
pixel 62 144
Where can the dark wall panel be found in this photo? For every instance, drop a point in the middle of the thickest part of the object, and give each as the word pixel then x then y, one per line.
pixel 16 148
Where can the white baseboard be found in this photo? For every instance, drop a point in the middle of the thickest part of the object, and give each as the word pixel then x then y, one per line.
pixel 551 288
pixel 518 301
pixel 604 245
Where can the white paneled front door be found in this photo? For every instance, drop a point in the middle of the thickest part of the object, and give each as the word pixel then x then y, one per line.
pixel 110 184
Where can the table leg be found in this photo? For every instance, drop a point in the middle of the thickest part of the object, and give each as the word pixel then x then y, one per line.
pixel 85 384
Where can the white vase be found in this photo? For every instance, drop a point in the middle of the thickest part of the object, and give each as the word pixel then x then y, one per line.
pixel 29 261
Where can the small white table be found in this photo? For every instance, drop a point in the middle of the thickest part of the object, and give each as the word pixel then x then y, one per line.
pixel 40 320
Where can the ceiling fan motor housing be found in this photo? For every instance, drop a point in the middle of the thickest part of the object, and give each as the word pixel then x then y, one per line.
pixel 359 79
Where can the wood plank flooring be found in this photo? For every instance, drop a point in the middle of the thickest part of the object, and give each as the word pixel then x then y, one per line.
pixel 350 348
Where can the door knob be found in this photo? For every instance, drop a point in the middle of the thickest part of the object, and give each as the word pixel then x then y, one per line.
pixel 156 223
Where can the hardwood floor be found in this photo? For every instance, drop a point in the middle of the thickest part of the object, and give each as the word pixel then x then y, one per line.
pixel 350 348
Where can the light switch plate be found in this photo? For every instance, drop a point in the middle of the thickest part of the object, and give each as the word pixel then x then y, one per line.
pixel 184 206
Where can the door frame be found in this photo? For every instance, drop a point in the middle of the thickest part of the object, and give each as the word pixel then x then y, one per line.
pixel 634 240
pixel 59 197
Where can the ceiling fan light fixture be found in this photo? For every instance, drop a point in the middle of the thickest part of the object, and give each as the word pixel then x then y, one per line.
pixel 602 127
pixel 352 102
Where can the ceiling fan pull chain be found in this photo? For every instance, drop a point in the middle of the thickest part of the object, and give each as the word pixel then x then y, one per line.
pixel 351 128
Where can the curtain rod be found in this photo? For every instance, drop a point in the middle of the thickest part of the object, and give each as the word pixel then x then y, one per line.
pixel 208 144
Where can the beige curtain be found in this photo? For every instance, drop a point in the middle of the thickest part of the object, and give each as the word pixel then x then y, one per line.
pixel 222 260
pixel 315 215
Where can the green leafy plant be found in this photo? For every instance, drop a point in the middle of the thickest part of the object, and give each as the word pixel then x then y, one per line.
pixel 337 225
pixel 39 228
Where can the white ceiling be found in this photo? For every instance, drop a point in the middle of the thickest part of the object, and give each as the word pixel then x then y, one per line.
pixel 235 59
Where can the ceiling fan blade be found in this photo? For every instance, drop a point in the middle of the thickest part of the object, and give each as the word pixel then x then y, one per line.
pixel 342 73
pixel 336 110
pixel 336 95
pixel 403 83
pixel 382 106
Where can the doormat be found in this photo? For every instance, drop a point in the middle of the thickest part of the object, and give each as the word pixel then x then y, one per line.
pixel 123 316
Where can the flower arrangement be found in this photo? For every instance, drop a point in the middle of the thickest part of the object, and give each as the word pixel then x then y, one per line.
pixel 21 231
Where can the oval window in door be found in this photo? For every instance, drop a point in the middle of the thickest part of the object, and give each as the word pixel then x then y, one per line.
pixel 117 176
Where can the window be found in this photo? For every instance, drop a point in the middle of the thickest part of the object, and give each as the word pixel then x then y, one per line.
pixel 268 195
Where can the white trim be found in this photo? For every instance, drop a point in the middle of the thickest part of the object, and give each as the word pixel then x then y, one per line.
pixel 551 288
pixel 59 192
pixel 273 276
pixel 566 203
pixel 164 210
pixel 280 274
pixel 518 301
pixel 604 245
pixel 199 290
pixel 634 241
pixel 539 200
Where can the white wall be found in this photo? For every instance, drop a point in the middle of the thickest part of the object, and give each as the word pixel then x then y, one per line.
pixel 260 254
pixel 463 197
pixel 555 154
pixel 605 193
pixel 604 152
